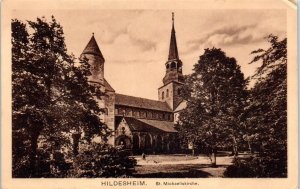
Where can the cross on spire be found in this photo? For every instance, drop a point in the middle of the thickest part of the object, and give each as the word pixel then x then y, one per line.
pixel 173 18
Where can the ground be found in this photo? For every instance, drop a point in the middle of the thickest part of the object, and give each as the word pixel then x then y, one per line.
pixel 180 166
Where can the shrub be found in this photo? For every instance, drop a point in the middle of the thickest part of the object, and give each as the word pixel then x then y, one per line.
pixel 239 169
pixel 263 166
pixel 103 160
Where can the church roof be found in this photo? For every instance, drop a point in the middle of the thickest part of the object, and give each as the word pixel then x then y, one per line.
pixel 138 126
pixel 144 103
pixel 165 126
pixel 107 86
pixel 93 48
pixel 141 125
pixel 182 105
pixel 173 51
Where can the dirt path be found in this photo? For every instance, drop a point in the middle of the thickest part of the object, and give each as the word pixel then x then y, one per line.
pixel 168 166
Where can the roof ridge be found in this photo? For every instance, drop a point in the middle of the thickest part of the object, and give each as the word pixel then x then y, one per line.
pixel 143 103
pixel 139 97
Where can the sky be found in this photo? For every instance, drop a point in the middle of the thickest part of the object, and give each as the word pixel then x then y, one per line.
pixel 135 43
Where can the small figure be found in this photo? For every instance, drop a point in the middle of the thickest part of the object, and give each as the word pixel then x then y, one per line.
pixel 143 156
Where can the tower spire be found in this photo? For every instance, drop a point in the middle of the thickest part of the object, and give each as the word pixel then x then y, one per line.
pixel 173 51
pixel 173 79
pixel 93 48
pixel 173 20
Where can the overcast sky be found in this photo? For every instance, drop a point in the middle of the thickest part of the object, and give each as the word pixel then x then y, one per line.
pixel 135 43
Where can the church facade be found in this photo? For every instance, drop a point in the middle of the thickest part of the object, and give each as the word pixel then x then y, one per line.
pixel 141 125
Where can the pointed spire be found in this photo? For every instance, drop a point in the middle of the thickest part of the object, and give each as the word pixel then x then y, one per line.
pixel 173 51
pixel 172 20
pixel 93 48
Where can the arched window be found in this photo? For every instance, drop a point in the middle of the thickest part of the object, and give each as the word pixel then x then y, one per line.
pixel 148 143
pixel 135 142
pixel 167 95
pixel 178 91
pixel 173 65
pixel 162 95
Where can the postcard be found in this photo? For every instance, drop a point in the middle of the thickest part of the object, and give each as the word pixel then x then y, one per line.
pixel 155 94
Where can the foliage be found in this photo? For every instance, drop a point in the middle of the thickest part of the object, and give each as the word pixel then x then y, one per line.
pixel 240 169
pixel 215 95
pixel 266 113
pixel 51 96
pixel 103 161
pixel 261 166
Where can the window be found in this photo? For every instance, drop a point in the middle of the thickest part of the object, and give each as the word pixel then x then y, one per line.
pixel 167 95
pixel 138 114
pixel 153 115
pixel 162 95
pixel 170 117
pixel 128 112
pixel 150 115
pixel 173 65
pixel 123 130
pixel 143 114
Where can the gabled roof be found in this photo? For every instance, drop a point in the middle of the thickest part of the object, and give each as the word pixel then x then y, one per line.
pixel 93 48
pixel 141 125
pixel 144 103
pixel 136 125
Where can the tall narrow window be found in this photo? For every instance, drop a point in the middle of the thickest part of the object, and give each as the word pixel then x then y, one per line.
pixel 167 95
pixel 162 95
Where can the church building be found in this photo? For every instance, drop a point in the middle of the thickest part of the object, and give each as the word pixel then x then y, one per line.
pixel 141 125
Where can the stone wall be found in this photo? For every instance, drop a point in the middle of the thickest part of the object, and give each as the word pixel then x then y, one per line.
pixel 170 93
pixel 110 114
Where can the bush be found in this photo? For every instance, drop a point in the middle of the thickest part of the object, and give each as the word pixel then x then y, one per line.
pixel 103 160
pixel 239 169
pixel 262 166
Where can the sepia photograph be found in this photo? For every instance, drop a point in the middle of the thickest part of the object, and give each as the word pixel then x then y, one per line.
pixel 136 94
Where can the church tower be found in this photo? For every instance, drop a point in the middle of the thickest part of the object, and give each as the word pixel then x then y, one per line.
pixel 173 79
pixel 96 60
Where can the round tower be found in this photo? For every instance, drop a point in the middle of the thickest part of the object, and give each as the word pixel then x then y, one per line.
pixel 96 60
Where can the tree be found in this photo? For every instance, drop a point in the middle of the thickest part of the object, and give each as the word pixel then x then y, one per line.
pixel 215 95
pixel 266 113
pixel 268 107
pixel 51 95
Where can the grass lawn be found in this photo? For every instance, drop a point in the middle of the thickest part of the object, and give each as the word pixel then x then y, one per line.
pixel 179 166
